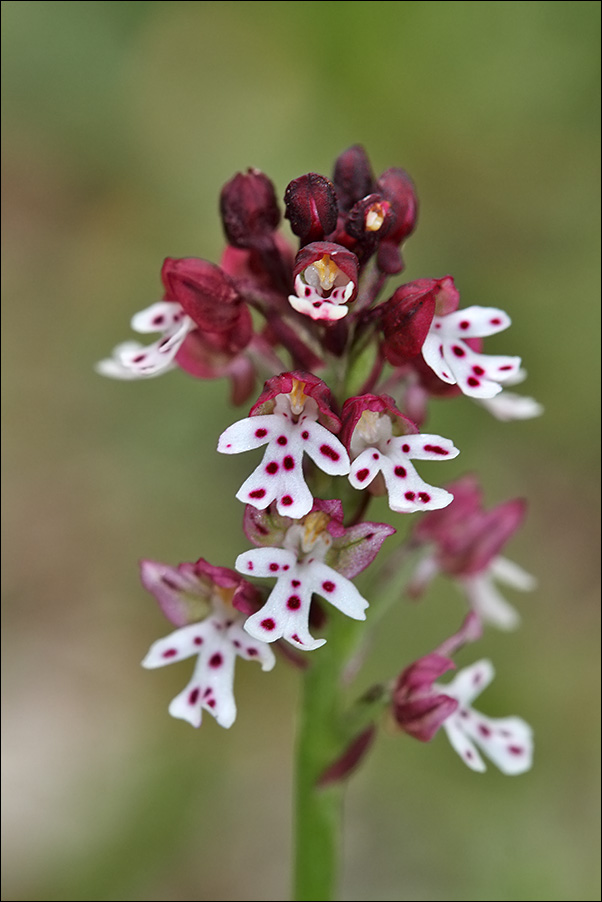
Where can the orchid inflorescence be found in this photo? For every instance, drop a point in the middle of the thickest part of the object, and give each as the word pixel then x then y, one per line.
pixel 348 379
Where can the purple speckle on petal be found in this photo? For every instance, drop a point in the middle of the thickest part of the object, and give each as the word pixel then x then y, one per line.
pixel 274 568
pixel 307 291
pixel 328 586
pixel 516 750
pixel 293 603
pixel 436 449
pixel 297 639
pixel 405 449
pixel 216 660
pixel 170 652
pixel 252 652
pixel 288 462
pixel 375 456
pixel 282 440
pixel 484 731
pixel 305 434
pixel 260 433
pixel 468 755
pixel 286 500
pixel 363 474
pixel 401 472
pixel 139 358
pixel 424 497
pixel 496 321
pixel 410 496
pixel 198 640
pixel 458 351
pixel 504 368
pixel 295 583
pixel 268 624
pixel 193 697
pixel 211 703
pixel 474 383
pixel 257 493
pixel 478 370
pixel 158 320
pixel 464 324
pixel 327 451
pixel 272 468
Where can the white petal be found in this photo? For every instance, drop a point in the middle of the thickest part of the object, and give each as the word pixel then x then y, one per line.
pixel 266 562
pixel 252 432
pixel 433 352
pixel 286 614
pixel 365 468
pixel 157 357
pixel 427 447
pixel 318 309
pixel 478 375
pixel 324 448
pixel 184 642
pixel 474 322
pixel 511 574
pixel 470 682
pixel 115 369
pixel 491 606
pixel 462 744
pixel 164 316
pixel 211 687
pixel 407 491
pixel 507 741
pixel 337 590
pixel 249 649
pixel 509 406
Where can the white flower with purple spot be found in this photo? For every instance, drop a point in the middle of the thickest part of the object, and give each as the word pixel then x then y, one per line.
pixel 300 572
pixel 325 280
pixel 217 642
pixel 506 741
pixel 132 360
pixel 448 354
pixel 291 431
pixel 369 425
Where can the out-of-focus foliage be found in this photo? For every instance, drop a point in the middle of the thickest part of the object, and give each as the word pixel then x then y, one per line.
pixel 121 123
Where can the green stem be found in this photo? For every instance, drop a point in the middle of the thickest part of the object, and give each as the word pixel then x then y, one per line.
pixel 318 815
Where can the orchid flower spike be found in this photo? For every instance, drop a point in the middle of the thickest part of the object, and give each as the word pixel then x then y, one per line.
pixel 287 418
pixel 185 593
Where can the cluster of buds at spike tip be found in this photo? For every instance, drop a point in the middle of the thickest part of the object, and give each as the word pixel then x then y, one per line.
pixel 349 368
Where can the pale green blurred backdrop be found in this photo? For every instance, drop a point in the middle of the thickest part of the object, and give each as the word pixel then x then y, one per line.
pixel 121 122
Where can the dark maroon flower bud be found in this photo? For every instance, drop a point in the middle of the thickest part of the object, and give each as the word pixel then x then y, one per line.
pixel 249 209
pixel 311 207
pixel 370 217
pixel 397 187
pixel 352 177
pixel 204 291
pixel 407 316
pixel 326 280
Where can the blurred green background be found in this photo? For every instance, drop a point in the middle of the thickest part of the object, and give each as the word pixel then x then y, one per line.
pixel 121 122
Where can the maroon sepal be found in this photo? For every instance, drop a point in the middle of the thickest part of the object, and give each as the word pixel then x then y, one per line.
pixel 312 386
pixel 311 207
pixel 249 209
pixel 204 291
pixel 352 177
pixel 416 708
pixel 353 408
pixel 407 316
pixel 397 187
